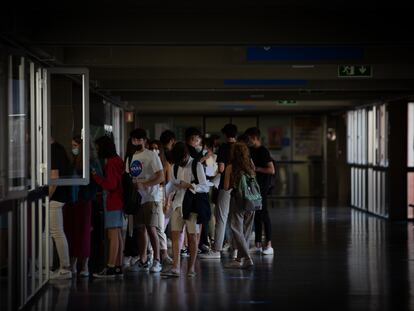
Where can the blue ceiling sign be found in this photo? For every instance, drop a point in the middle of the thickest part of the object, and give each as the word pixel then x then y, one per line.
pixel 304 53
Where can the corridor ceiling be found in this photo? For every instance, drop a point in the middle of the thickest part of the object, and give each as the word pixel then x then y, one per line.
pixel 186 58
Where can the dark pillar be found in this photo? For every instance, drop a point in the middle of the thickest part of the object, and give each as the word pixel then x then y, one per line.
pixel 397 153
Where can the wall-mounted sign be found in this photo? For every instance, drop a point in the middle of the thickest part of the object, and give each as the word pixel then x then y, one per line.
pixel 129 116
pixel 354 71
pixel 286 102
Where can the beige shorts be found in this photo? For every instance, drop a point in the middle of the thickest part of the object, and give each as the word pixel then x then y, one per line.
pixel 149 215
pixel 177 222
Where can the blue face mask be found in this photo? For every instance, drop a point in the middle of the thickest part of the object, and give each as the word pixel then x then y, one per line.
pixel 75 151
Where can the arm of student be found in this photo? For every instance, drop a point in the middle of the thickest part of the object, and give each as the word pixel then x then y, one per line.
pixel 110 182
pixel 269 169
pixel 202 185
pixel 54 174
pixel 227 176
pixel 155 180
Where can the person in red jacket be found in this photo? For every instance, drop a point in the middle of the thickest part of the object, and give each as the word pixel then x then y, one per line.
pixel 111 183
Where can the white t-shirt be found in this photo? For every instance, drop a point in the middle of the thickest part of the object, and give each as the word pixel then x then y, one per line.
pixel 142 168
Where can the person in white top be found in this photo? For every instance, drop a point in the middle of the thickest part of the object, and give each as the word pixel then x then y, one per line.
pixel 147 173
pixel 182 178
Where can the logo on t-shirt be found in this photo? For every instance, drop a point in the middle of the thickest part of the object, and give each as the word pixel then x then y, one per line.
pixel 135 168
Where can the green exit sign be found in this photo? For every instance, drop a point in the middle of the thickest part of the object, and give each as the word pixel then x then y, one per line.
pixel 286 102
pixel 354 71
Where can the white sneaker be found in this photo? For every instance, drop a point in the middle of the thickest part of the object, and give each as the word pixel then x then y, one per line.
pixel 210 255
pixel 127 261
pixel 136 267
pixel 268 251
pixel 167 261
pixel 156 267
pixel 84 274
pixel 247 263
pixel 226 247
pixel 255 249
pixel 233 254
pixel 61 274
pixel 134 260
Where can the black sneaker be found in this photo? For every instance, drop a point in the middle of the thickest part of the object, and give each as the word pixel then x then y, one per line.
pixel 144 266
pixel 118 272
pixel 185 252
pixel 106 273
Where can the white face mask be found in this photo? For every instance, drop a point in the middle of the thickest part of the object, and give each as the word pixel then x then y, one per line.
pixel 156 151
pixel 75 151
pixel 198 148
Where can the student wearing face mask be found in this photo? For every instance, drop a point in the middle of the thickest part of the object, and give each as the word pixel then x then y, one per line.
pixel 193 139
pixel 182 180
pixel 168 140
pixel 78 215
pixel 146 170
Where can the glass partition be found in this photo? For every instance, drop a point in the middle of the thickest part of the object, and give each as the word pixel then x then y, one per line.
pixel 17 121
pixel 215 124
pixel 3 125
pixel 6 242
pixel 243 123
pixel 67 92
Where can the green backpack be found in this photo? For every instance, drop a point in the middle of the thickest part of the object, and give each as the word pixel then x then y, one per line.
pixel 248 196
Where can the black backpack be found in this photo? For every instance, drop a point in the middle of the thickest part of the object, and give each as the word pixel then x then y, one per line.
pixel 195 203
pixel 132 198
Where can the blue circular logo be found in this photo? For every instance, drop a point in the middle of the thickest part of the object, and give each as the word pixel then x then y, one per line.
pixel 136 168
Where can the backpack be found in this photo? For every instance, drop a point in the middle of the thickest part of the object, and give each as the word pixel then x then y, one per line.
pixel 195 202
pixel 247 194
pixel 132 198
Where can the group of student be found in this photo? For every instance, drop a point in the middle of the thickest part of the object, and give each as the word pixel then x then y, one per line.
pixel 191 186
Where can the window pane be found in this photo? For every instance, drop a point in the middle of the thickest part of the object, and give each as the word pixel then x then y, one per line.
pixel 277 136
pixel 243 123
pixel 215 124
pixel 3 123
pixel 181 123
pixel 17 115
pixel 69 120
pixel 410 142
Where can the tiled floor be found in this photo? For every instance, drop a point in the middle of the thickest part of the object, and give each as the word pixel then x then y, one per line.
pixel 330 258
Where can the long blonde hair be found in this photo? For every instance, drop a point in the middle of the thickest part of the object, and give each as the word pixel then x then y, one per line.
pixel 241 162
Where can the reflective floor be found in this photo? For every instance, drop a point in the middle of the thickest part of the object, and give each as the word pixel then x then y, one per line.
pixel 332 258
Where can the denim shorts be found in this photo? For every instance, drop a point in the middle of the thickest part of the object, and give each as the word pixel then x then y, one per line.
pixel 114 219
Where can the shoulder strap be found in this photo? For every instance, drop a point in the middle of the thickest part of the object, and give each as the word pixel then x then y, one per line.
pixel 175 167
pixel 194 170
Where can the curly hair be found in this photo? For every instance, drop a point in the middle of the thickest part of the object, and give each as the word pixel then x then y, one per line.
pixel 241 162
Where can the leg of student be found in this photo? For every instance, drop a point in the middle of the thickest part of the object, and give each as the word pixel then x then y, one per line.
pixel 85 264
pixel 120 248
pixel 248 225
pixel 142 240
pixel 258 228
pixel 221 213
pixel 266 222
pixel 155 242
pixel 193 246
pixel 113 247
pixel 176 248
pixel 151 221
pixel 193 230
pixel 142 243
pixel 161 233
pixel 237 218
pixel 57 233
